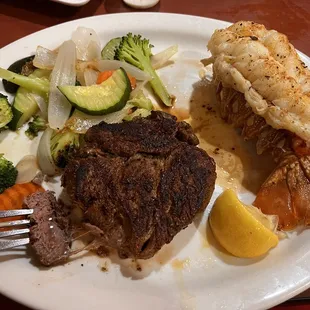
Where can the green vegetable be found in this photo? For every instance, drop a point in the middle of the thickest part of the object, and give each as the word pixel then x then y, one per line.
pixel 63 144
pixel 6 114
pixel 141 101
pixel 8 174
pixel 37 85
pixel 137 51
pixel 41 73
pixel 17 67
pixel 138 113
pixel 108 52
pixel 25 105
pixel 109 96
pixel 36 125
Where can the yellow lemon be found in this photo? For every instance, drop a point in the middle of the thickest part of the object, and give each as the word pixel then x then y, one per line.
pixel 242 230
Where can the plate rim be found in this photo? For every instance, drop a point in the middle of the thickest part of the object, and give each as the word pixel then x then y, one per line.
pixel 107 15
pixel 273 301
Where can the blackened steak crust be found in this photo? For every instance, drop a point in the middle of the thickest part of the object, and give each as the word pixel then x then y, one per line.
pixel 140 182
pixel 50 233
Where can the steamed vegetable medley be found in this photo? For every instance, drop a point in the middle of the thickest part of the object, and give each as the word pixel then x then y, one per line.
pixel 64 92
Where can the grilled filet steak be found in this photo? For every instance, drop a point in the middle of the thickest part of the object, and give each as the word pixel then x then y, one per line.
pixel 140 182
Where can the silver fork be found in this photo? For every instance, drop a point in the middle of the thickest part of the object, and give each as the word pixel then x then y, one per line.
pixel 6 240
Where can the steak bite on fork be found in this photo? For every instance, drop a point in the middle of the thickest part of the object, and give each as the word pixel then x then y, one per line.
pixel 50 231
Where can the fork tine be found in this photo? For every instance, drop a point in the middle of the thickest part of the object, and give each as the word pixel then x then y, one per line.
pixel 8 244
pixel 14 223
pixel 14 232
pixel 11 213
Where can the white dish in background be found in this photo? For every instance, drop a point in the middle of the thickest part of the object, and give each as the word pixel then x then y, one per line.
pixel 208 280
pixel 72 2
pixel 141 4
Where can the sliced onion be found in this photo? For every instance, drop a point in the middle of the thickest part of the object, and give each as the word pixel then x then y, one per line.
pixel 81 122
pixel 44 58
pixel 42 104
pixel 90 77
pixel 44 155
pixel 64 73
pixel 83 38
pixel 93 51
pixel 106 65
pixel 160 59
pixel 27 169
pixel 39 178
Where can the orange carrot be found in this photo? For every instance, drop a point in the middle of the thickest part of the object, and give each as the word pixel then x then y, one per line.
pixel 13 197
pixel 103 76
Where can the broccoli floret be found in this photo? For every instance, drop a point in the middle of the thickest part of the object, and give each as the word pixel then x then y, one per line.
pixel 63 144
pixel 38 124
pixel 6 113
pixel 137 51
pixel 8 174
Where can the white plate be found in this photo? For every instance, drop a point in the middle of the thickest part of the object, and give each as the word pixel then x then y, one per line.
pixel 72 2
pixel 208 280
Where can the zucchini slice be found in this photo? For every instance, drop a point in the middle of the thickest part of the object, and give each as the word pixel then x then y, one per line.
pixel 107 97
pixel 24 107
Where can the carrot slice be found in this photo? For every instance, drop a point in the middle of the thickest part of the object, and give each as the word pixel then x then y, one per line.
pixel 13 197
pixel 103 76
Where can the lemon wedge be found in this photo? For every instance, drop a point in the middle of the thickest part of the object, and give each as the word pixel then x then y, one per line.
pixel 244 231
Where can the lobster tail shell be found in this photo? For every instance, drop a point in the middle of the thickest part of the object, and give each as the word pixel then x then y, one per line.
pixel 235 110
pixel 286 192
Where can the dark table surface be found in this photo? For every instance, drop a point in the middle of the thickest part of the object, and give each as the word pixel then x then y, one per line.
pixel 20 18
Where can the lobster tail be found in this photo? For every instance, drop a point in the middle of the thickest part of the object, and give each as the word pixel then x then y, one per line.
pixel 263 89
pixel 286 192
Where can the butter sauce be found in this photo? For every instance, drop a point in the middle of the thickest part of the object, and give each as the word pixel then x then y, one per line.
pixel 238 165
